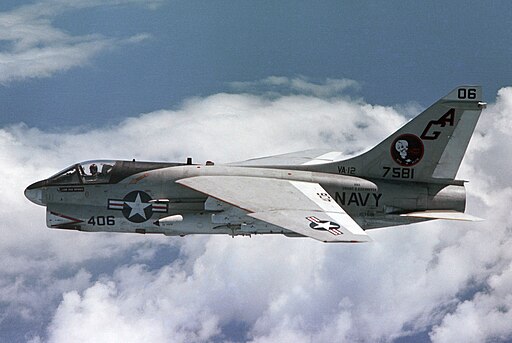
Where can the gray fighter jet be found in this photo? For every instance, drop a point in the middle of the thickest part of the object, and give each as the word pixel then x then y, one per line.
pixel 407 178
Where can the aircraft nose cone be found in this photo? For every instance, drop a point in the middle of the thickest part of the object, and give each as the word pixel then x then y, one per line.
pixel 34 193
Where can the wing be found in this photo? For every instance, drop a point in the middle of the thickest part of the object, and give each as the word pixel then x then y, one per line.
pixel 303 207
pixel 307 157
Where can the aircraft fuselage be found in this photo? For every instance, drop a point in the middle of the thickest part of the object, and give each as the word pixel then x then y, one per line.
pixel 150 201
pixel 408 177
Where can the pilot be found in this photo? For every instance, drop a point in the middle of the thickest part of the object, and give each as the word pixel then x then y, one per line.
pixel 93 169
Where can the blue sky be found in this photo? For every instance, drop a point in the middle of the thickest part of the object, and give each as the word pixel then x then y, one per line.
pixel 399 52
pixel 232 80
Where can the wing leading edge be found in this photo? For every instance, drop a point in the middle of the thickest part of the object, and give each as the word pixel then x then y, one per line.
pixel 302 207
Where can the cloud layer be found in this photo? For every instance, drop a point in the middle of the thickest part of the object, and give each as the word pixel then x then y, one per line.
pixel 439 280
pixel 34 47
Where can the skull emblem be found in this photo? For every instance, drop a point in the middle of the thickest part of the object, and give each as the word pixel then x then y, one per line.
pixel 407 150
pixel 402 146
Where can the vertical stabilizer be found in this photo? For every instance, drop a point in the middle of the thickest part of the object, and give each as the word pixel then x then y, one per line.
pixel 430 146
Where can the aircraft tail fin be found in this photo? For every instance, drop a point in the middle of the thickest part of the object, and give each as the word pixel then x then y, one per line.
pixel 430 146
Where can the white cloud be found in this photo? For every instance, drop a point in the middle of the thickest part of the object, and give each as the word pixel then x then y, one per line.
pixel 438 275
pixel 34 47
pixel 300 85
pixel 486 316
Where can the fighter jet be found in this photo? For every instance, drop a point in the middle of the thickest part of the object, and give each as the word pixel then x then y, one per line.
pixel 407 178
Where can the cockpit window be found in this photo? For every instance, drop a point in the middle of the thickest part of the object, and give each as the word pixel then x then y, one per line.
pixel 86 172
pixel 96 171
pixel 68 176
pixel 103 171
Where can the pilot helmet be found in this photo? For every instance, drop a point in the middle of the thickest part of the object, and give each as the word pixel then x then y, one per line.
pixel 93 168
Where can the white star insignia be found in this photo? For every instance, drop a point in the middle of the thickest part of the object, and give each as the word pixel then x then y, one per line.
pixel 137 207
pixel 325 225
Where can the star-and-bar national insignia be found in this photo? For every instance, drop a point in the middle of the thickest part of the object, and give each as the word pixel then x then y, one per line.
pixel 115 204
pixel 136 206
pixel 326 225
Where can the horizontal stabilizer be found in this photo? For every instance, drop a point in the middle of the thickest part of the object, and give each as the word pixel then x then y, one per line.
pixel 447 215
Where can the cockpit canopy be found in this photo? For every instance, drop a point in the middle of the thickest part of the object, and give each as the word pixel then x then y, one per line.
pixel 101 172
pixel 88 172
